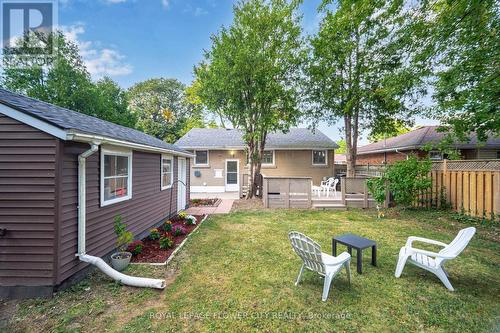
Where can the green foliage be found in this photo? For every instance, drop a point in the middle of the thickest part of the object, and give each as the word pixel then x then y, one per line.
pixel 162 110
pixel 182 215
pixel 342 149
pixel 358 70
pixel 64 80
pixel 113 103
pixel 166 242
pixel 167 226
pixel 124 237
pixel 483 220
pixel 377 188
pixel 135 247
pixel 405 180
pixel 387 128
pixel 251 74
pixel 190 220
pixel 459 46
pixel 446 147
pixel 178 231
pixel 154 234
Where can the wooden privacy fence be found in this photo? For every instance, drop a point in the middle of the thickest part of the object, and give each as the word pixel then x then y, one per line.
pixel 471 186
pixel 287 192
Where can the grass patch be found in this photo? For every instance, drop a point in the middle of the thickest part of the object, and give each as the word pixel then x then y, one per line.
pixel 237 274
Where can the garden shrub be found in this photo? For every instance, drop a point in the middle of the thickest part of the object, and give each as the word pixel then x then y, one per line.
pixel 178 231
pixel 167 226
pixel 190 220
pixel 154 234
pixel 135 247
pixel 405 180
pixel 166 242
pixel 124 237
pixel 182 215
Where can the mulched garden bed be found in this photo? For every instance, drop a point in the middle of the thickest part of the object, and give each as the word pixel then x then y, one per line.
pixel 204 202
pixel 151 251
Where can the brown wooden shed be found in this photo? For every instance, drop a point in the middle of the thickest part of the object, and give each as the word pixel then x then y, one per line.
pixel 131 174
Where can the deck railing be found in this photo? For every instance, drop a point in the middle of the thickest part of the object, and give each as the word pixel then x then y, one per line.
pixel 295 192
pixel 286 192
pixel 355 189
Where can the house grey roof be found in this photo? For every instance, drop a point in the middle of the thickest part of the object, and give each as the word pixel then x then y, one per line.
pixel 71 120
pixel 222 138
pixel 426 135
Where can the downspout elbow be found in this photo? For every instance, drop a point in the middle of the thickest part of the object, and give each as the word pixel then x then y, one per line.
pixel 93 148
pixel 398 152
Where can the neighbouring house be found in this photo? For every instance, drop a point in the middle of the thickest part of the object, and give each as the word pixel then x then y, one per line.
pixel 220 162
pixel 416 142
pixel 340 159
pixel 129 174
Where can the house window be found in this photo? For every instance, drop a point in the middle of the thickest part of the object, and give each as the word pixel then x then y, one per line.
pixel 167 171
pixel 201 157
pixel 498 154
pixel 319 157
pixel 116 177
pixel 268 157
pixel 435 155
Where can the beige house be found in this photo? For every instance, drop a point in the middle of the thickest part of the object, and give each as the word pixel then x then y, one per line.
pixel 220 163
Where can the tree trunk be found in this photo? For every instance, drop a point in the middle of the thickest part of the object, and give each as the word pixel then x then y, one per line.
pixel 256 164
pixel 350 158
pixel 251 162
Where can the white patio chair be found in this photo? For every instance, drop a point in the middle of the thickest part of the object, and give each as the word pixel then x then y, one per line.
pixel 326 185
pixel 315 260
pixel 431 261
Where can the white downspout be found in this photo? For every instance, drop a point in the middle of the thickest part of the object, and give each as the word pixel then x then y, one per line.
pixel 398 152
pixel 101 264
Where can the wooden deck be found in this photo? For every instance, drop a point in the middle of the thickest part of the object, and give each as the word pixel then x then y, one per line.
pixel 296 192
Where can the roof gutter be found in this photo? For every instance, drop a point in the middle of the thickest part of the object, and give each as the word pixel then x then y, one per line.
pixel 266 148
pixel 89 138
pixel 96 261
pixel 397 150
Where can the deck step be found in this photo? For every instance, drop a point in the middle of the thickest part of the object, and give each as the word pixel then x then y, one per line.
pixel 329 206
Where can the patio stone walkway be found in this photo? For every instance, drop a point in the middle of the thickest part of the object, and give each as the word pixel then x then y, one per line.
pixel 223 208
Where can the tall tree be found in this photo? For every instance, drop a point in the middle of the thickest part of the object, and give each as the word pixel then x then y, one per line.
pixel 161 108
pixel 63 79
pixel 459 43
pixel 113 103
pixel 358 68
pixel 250 74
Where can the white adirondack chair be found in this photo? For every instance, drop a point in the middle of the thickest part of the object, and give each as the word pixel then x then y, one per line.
pixel 328 184
pixel 432 261
pixel 315 260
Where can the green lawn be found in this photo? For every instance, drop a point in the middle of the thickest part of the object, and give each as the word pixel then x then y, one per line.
pixel 237 274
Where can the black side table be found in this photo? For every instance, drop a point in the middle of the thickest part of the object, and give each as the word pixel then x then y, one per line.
pixel 359 243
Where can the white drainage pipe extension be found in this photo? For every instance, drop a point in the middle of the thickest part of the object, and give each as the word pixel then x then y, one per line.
pixel 120 277
pixel 96 261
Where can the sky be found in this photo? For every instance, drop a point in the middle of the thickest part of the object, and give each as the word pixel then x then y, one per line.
pixel 134 40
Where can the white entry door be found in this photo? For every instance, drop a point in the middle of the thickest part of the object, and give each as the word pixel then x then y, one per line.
pixel 232 175
pixel 181 184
